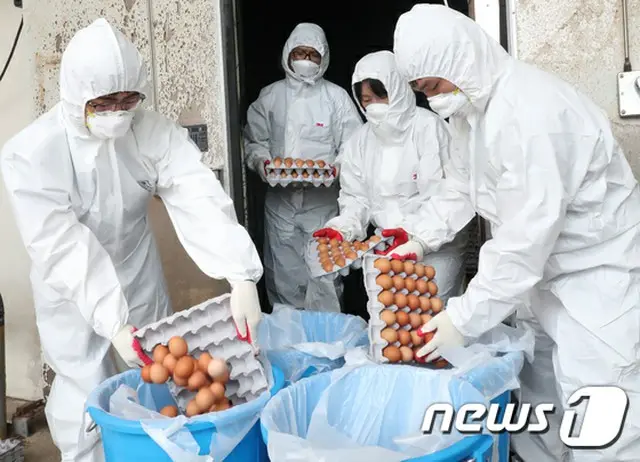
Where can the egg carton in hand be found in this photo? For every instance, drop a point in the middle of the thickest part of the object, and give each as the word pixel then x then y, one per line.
pixel 401 299
pixel 312 256
pixel 209 327
pixel 287 176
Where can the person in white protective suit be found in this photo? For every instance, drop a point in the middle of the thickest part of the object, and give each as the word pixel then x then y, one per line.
pixel 80 179
pixel 539 161
pixel 393 164
pixel 302 116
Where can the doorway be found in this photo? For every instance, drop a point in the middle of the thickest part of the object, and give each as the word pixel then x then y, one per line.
pixel 353 30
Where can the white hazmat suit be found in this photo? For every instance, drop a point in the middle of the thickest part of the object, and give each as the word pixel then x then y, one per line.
pixel 390 167
pixel 542 166
pixel 308 118
pixel 81 207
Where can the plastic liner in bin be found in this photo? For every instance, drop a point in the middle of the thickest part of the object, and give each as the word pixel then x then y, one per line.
pixel 301 343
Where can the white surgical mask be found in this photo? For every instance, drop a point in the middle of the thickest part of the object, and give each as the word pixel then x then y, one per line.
pixel 107 125
pixel 305 68
pixel 376 112
pixel 448 104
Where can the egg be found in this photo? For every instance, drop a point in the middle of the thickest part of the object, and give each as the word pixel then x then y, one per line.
pixel 425 318
pixel 321 163
pixel 218 390
pixel 145 373
pixel 197 381
pixel 223 405
pixel 192 408
pixel 217 368
pixel 316 174
pixel 398 282
pixel 416 340
pixel 404 337
pixel 159 353
pixel 428 336
pixel 436 305
pixel 406 353
pixel 178 347
pixel 341 262
pixel 158 373
pixel 409 268
pixel 440 363
pixel 184 367
pixel 170 363
pixel 180 381
pixel 413 302
pixel 375 239
pixel 327 266
pixel 283 174
pixel 425 304
pixel 388 317
pixel 397 266
pixel 169 411
pixel 351 255
pixel 334 243
pixel 415 320
pixel 402 318
pixel 288 162
pixel 323 240
pixel 294 175
pixel 323 248
pixel 389 335
pixel 224 378
pixel 277 162
pixel 418 269
pixel 299 163
pixel 392 353
pixel 410 284
pixel 310 163
pixel 433 288
pixel 422 286
pixel 205 399
pixel 400 300
pixel 305 174
pixel 386 298
pixel 429 272
pixel 383 265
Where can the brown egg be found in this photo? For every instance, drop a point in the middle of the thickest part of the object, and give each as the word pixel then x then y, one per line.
pixel 425 304
pixel 422 286
pixel 425 318
pixel 383 265
pixel 415 320
pixel 351 255
pixel 334 243
pixel 418 269
pixel 436 305
pixel 158 373
pixel 416 340
pixel 180 381
pixel 400 300
pixel 341 262
pixel 316 175
pixel 386 298
pixel 375 239
pixel 413 302
pixel 305 174
pixel 184 367
pixel 389 335
pixel 283 174
pixel 388 317
pixel 404 337
pixel 323 248
pixel 299 163
pixel 224 378
pixel 402 318
pixel 428 336
pixel 407 354
pixel 409 267
pixel 433 288
pixel 288 162
pixel 429 272
pixel 159 353
pixel 145 373
pixel 192 408
pixel 205 399
pixel 327 266
pixel 169 411
pixel 310 163
pixel 218 390
pixel 392 353
pixel 440 363
pixel 178 347
pixel 398 282
pixel 323 240
pixel 170 363
pixel 203 361
pixel 294 175
pixel 397 266
pixel 321 163
pixel 410 284
pixel 277 162
pixel 197 381
pixel 223 405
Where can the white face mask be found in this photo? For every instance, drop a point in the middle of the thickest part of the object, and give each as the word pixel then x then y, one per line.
pixel 448 104
pixel 305 68
pixel 376 113
pixel 107 125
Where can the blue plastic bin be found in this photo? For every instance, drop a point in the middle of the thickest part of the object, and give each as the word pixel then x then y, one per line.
pixel 126 440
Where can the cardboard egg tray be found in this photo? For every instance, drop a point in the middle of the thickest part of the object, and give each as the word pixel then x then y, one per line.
pixel 313 261
pixel 209 327
pixel 375 307
pixel 315 175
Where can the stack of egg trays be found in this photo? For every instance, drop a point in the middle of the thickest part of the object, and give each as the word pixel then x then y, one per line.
pixel 316 269
pixel 209 327
pixel 375 307
pixel 275 175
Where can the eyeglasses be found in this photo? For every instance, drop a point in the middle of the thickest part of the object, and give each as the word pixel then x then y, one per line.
pixel 299 53
pixel 128 103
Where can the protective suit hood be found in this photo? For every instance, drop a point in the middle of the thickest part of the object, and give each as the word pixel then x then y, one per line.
pixel 436 41
pixel 306 35
pixel 381 66
pixel 99 60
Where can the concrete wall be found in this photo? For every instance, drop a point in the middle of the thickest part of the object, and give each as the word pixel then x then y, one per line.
pixel 582 41
pixel 182 39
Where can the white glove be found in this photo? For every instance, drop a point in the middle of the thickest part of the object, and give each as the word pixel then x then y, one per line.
pixel 411 250
pixel 261 168
pixel 245 309
pixel 446 335
pixel 128 347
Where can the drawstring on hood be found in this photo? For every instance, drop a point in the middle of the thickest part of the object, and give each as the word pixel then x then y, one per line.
pixel 306 35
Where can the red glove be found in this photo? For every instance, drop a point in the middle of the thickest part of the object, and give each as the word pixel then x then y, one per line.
pixel 330 233
pixel 400 237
